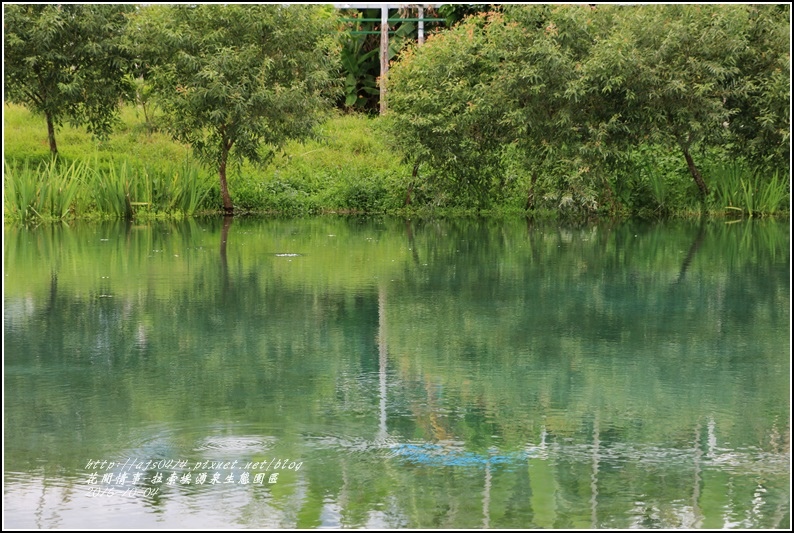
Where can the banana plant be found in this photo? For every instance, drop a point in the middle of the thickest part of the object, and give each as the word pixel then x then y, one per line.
pixel 360 57
pixel 361 67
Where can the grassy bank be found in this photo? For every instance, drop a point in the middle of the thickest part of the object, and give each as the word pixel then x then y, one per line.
pixel 349 168
pixel 142 173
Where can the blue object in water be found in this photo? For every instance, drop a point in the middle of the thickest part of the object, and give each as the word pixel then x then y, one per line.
pixel 437 455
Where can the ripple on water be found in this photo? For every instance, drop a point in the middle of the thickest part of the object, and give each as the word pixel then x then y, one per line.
pixel 234 444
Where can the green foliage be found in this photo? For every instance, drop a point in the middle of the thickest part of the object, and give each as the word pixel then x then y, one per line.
pixel 349 165
pixel 151 178
pixel 653 182
pixel 67 62
pixel 126 190
pixel 571 92
pixel 761 122
pixel 57 190
pixel 156 174
pixel 739 190
pixel 539 108
pixel 178 188
pixel 360 67
pixel 25 140
pixel 20 192
pixel 360 52
pixel 48 192
pixel 455 13
pixel 239 80
pixel 147 104
pixel 543 50
pixel 117 190
pixel 663 73
pixel 444 115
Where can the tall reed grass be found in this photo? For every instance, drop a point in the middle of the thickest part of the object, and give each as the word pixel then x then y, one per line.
pixel 55 190
pixel 48 192
pixel 737 189
pixel 115 190
pixel 177 188
pixel 659 187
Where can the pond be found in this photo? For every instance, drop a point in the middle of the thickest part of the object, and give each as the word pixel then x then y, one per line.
pixel 384 373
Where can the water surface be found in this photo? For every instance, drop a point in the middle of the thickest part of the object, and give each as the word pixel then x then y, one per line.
pixel 392 373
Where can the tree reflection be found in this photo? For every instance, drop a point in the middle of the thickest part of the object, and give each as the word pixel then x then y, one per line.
pixel 571 340
pixel 225 282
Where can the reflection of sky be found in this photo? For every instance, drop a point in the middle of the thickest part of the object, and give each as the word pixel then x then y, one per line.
pixel 742 462
pixel 32 501
pixel 35 502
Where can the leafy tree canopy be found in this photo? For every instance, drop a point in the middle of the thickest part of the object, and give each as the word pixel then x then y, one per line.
pixel 444 113
pixel 67 61
pixel 239 80
pixel 575 89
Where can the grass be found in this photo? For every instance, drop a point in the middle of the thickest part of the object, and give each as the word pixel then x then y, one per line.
pixel 47 192
pixel 737 189
pixel 349 167
pixel 25 139
pixel 58 190
pixel 134 173
pixel 139 173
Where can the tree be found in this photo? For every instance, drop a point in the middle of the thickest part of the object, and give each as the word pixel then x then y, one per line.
pixel 762 122
pixel 240 80
pixel 493 83
pixel 455 13
pixel 663 74
pixel 443 113
pixel 542 53
pixel 67 61
pixel 576 90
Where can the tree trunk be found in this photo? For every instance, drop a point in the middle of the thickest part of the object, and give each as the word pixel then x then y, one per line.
pixel 51 134
pixel 408 194
pixel 411 185
pixel 704 191
pixel 531 194
pixel 227 200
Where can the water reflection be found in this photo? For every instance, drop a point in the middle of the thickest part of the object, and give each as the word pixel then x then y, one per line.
pixel 424 374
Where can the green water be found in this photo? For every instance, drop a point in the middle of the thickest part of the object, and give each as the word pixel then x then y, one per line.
pixel 420 374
